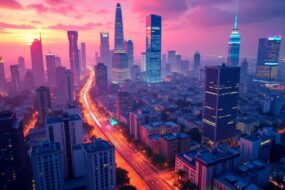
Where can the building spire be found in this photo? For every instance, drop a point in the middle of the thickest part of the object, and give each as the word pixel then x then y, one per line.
pixel 236 15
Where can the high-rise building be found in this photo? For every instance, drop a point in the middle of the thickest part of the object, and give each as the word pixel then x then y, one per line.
pixel 37 62
pixel 196 65
pixel 220 103
pixel 153 49
pixel 29 81
pixel 68 86
pixel 73 54
pixel 244 71
pixel 105 53
pixel 171 55
pixel 83 57
pixel 99 156
pixel 143 62
pixel 80 59
pixel 178 58
pixel 135 72
pixel 185 67
pixel 2 76
pixel 120 68
pixel 129 48
pixel 43 99
pixel 66 130
pixel 101 78
pixel 13 157
pixel 15 75
pixel 22 68
pixel 268 58
pixel 50 63
pixel 47 163
pixel 59 78
pixel 119 31
pixel 124 104
pixel 57 61
pixel 234 46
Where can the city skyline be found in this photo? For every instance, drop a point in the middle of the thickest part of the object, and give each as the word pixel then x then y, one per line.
pixel 189 19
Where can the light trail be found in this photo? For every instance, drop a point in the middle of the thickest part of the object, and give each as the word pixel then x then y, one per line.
pixel 31 124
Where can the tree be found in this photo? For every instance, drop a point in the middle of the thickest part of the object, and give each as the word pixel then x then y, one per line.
pixel 182 182
pixel 122 178
pixel 128 187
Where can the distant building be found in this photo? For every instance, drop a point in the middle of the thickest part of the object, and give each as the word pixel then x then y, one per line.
pixel 22 68
pixel 101 78
pixel 57 61
pixel 47 160
pixel 234 46
pixel 119 31
pixel 220 103
pixel 69 89
pixel 129 48
pixel 50 63
pixel 13 158
pixel 99 156
pixel 143 61
pixel 60 78
pixel 153 49
pixel 171 55
pixel 2 76
pixel 83 57
pixel 68 131
pixel 105 53
pixel 185 67
pixel 43 102
pixel 29 83
pixel 73 54
pixel 268 58
pixel 120 68
pixel 15 75
pixel 37 62
pixel 124 104
pixel 196 65
pixel 135 72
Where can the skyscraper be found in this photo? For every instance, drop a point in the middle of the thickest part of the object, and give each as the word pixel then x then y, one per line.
pixel 99 156
pixel 37 62
pixel 129 48
pixel 171 55
pixel 120 69
pixel 22 68
pixel 15 75
pixel 196 65
pixel 105 53
pixel 73 54
pixel 68 86
pixel 268 58
pixel 101 79
pixel 13 156
pixel 57 61
pixel 234 46
pixel 219 109
pixel 119 32
pixel 43 99
pixel 47 163
pixel 83 57
pixel 29 81
pixel 59 78
pixel 153 49
pixel 50 63
pixel 124 104
pixel 135 72
pixel 143 61
pixel 2 76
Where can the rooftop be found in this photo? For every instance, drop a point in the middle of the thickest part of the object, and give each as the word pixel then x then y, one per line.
pixel 45 147
pixel 97 144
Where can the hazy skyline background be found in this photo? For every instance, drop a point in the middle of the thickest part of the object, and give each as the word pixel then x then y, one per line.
pixel 188 25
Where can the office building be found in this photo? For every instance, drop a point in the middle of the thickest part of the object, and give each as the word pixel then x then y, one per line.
pixel 73 54
pixel 185 67
pixel 47 163
pixel 143 62
pixel 119 31
pixel 22 68
pixel 178 68
pixel 120 68
pixel 124 104
pixel 83 57
pixel 13 158
pixel 153 49
pixel 220 102
pixel 202 165
pixel 43 102
pixel 196 65
pixel 15 75
pixel 37 62
pixel 68 131
pixel 2 76
pixel 171 55
pixel 268 58
pixel 105 53
pixel 29 81
pixel 100 167
pixel 234 45
pixel 68 86
pixel 129 48
pixel 135 73
pixel 60 79
pixel 50 63
pixel 101 78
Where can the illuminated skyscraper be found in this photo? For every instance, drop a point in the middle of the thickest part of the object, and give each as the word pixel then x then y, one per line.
pixel 196 65
pixel 268 58
pixel 105 53
pixel 129 48
pixel 120 69
pixel 119 31
pixel 234 46
pixel 143 61
pixel 101 78
pixel 68 86
pixel 22 67
pixel 73 54
pixel 50 63
pixel 83 57
pixel 219 109
pixel 153 49
pixel 37 62
pixel 43 99
pixel 2 76
pixel 15 75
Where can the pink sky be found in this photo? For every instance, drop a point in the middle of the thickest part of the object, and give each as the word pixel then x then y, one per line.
pixel 188 25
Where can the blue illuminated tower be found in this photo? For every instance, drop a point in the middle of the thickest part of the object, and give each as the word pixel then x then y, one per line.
pixel 153 49
pixel 119 32
pixel 234 45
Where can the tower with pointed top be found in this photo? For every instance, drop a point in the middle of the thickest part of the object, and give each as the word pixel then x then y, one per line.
pixel 234 45
pixel 119 32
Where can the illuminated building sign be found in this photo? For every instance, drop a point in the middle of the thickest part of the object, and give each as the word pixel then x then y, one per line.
pixel 113 122
pixel 271 64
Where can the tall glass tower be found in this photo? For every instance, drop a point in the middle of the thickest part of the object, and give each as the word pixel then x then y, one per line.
pixel 268 58
pixel 37 62
pixel 234 45
pixel 119 32
pixel 153 49
pixel 74 54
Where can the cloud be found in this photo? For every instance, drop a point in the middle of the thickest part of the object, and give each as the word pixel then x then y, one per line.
pixel 40 8
pixel 35 22
pixel 87 26
pixel 102 11
pixel 4 25
pixel 10 4
pixel 62 9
